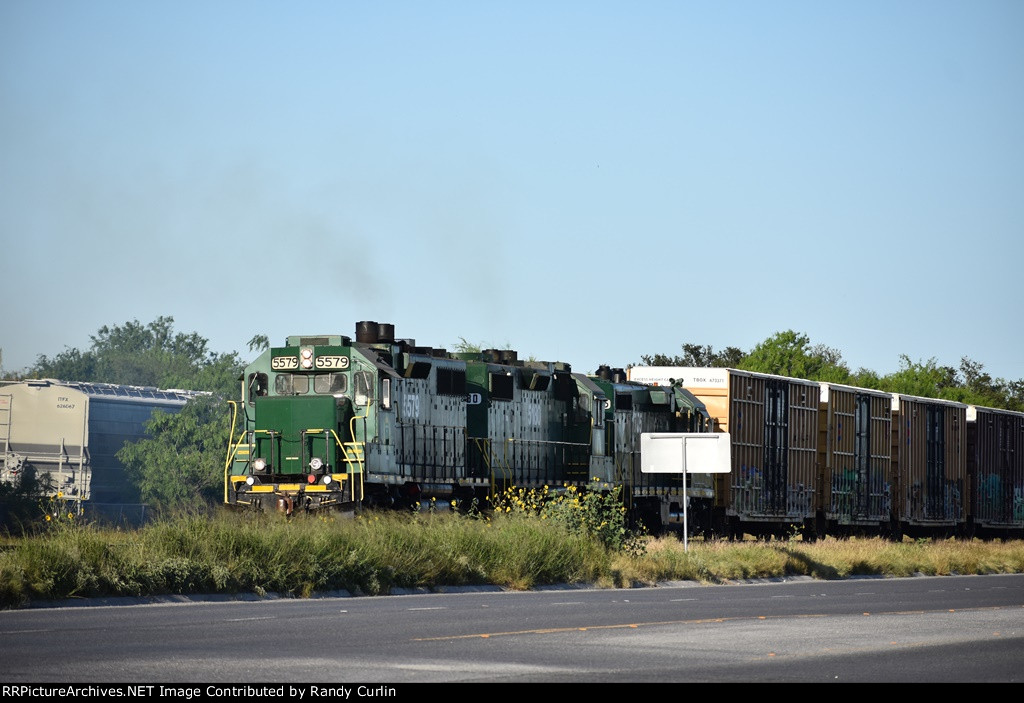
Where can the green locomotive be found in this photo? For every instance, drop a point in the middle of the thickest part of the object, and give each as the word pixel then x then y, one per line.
pixel 332 422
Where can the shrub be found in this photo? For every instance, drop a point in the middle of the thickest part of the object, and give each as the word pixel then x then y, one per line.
pixel 596 510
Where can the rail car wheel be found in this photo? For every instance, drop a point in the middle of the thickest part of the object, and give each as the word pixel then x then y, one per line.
pixel 808 532
pixel 719 525
pixel 649 517
pixel 466 501
pixel 895 531
pixel 483 500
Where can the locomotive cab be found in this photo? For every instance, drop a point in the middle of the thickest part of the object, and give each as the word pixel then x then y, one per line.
pixel 305 454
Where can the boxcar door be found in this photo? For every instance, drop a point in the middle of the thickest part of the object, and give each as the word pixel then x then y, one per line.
pixel 862 456
pixel 935 471
pixel 776 445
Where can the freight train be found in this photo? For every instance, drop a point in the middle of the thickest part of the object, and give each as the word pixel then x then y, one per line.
pixel 333 422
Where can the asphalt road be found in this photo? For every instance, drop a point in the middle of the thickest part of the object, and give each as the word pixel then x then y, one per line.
pixel 924 629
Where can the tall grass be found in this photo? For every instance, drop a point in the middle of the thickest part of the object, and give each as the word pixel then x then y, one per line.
pixel 377 553
pixel 229 553
pixel 716 562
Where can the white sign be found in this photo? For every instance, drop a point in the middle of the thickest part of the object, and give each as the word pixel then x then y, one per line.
pixel 685 452
pixel 686 376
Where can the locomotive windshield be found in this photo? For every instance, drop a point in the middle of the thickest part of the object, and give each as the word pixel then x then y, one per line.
pixel 298 384
pixel 291 384
pixel 330 383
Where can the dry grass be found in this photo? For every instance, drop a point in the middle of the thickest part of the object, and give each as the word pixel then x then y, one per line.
pixel 378 552
pixel 715 562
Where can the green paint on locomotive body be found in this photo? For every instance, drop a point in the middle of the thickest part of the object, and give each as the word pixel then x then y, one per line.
pixel 288 435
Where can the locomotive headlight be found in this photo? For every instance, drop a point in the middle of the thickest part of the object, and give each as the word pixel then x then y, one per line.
pixel 316 463
pixel 249 480
pixel 306 358
pixel 327 480
pixel 260 464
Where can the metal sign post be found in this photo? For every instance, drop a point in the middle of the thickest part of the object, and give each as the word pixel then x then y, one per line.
pixel 685 453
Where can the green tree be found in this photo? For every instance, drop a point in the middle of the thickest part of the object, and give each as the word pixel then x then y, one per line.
pixel 218 375
pixel 259 342
pixel 1015 395
pixel 968 384
pixel 68 365
pixel 697 355
pixel 145 355
pixel 922 378
pixel 791 354
pixel 866 378
pixel 981 389
pixel 182 463
pixel 466 347
pixel 21 498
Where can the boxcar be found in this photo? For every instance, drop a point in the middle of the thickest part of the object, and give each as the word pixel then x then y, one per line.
pixel 855 445
pixel 929 456
pixel 773 426
pixel 995 467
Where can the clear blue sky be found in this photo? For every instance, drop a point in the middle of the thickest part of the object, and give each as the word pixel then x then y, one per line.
pixel 582 181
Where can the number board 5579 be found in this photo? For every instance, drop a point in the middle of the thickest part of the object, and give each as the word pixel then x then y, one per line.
pixel 331 362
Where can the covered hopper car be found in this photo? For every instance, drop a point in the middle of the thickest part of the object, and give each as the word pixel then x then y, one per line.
pixel 69 433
